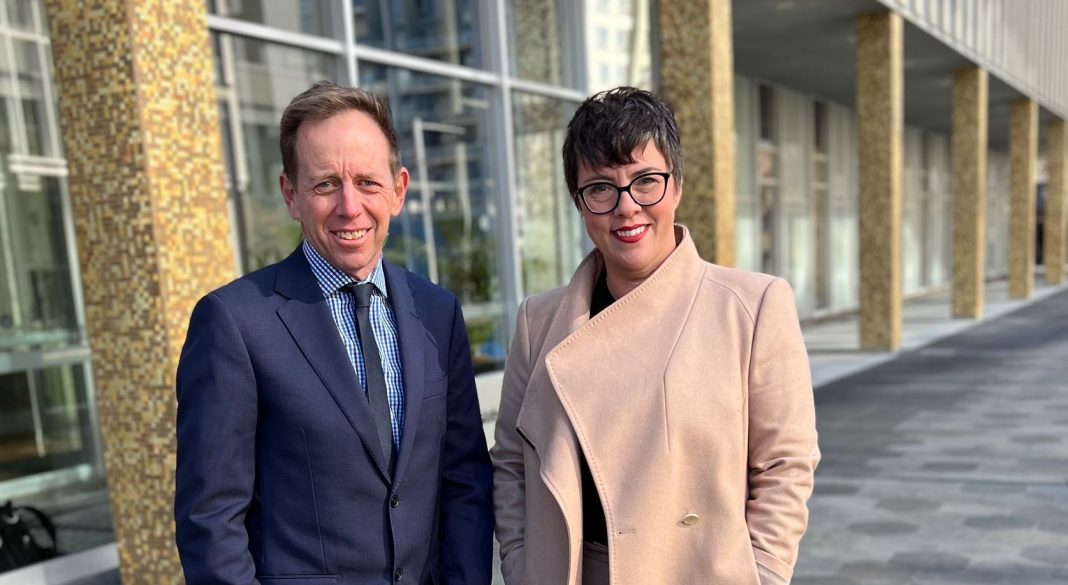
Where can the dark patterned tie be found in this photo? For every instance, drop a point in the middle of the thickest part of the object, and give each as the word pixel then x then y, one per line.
pixel 372 364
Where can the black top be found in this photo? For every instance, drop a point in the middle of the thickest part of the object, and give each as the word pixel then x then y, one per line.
pixel 595 529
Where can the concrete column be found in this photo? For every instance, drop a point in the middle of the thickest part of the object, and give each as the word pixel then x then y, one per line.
pixel 697 79
pixel 880 106
pixel 969 190
pixel 1023 154
pixel 138 111
pixel 1054 238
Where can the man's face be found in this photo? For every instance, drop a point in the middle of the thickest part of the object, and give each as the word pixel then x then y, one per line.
pixel 344 192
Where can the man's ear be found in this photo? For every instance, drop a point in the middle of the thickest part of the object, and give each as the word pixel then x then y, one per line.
pixel 400 189
pixel 289 193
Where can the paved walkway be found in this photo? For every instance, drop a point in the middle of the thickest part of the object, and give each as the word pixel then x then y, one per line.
pixel 949 464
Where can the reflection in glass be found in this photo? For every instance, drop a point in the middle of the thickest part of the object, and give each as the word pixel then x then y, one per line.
pixel 22 14
pixel 443 30
pixel 542 42
pixel 44 421
pixel 36 298
pixel 448 228
pixel 313 17
pixel 618 45
pixel 267 77
pixel 550 227
pixel 31 89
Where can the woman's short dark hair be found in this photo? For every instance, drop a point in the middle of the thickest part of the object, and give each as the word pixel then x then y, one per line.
pixel 609 126
pixel 324 100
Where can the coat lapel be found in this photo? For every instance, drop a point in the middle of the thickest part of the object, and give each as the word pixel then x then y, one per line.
pixel 608 373
pixel 308 319
pixel 413 338
pixel 541 419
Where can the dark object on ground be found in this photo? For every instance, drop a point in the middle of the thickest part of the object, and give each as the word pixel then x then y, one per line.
pixel 27 536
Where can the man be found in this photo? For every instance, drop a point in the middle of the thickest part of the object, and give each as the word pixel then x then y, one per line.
pixel 328 424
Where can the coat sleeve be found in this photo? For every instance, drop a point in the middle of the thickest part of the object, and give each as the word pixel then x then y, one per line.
pixel 782 433
pixel 216 435
pixel 466 520
pixel 509 475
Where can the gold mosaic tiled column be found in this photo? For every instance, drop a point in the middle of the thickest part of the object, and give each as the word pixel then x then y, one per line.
pixel 1054 237
pixel 1023 155
pixel 139 118
pixel 880 105
pixel 697 80
pixel 969 190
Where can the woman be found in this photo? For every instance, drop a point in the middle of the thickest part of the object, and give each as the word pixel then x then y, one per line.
pixel 656 419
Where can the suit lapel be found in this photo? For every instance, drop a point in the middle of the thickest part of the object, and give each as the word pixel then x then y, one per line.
pixel 412 339
pixel 308 319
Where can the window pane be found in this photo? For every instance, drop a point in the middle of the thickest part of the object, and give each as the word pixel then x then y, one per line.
pixel 541 42
pixel 44 421
pixel 441 30
pixel 618 45
pixel 448 228
pixel 313 17
pixel 268 76
pixel 31 89
pixel 22 14
pixel 550 227
pixel 36 298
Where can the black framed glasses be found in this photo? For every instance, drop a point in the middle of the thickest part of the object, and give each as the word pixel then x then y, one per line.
pixel 646 189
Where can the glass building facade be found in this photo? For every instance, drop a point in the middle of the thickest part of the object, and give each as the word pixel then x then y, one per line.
pixel 47 421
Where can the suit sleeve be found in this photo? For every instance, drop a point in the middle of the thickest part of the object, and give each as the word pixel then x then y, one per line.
pixel 216 431
pixel 466 525
pixel 509 475
pixel 782 434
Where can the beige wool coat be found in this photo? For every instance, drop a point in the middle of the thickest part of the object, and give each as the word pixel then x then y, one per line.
pixel 692 400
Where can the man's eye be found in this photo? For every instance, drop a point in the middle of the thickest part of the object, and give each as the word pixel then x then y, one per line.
pixel 324 186
pixel 367 184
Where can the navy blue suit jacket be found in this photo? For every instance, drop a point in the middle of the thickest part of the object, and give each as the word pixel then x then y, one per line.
pixel 280 477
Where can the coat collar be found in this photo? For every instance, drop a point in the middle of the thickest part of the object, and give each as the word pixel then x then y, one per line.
pixel 607 373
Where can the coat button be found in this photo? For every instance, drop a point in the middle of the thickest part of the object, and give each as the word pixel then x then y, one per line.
pixel 398 574
pixel 690 519
pixel 394 501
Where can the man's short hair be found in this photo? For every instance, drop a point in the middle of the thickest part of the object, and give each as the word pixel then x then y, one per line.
pixel 609 126
pixel 324 100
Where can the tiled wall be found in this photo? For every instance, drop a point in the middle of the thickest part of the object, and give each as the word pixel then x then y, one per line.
pixel 138 113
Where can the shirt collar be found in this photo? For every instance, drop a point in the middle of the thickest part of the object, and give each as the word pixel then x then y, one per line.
pixel 331 279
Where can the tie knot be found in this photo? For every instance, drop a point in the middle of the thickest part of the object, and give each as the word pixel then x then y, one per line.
pixel 362 291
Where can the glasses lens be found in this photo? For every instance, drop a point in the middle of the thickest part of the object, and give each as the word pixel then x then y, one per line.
pixel 648 189
pixel 600 197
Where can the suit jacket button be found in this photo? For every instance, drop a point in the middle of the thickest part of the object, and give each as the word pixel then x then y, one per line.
pixel 398 574
pixel 690 519
pixel 394 501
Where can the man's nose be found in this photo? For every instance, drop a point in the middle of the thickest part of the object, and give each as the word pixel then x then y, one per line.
pixel 350 200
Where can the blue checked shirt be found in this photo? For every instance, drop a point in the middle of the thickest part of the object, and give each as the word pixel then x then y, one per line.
pixel 343 308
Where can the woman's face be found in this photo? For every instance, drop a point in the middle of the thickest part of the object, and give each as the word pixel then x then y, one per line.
pixel 634 240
